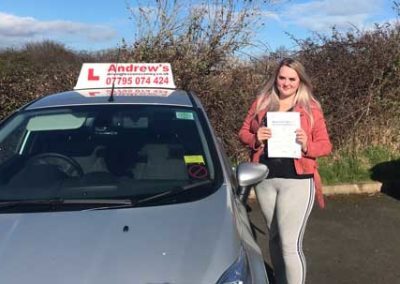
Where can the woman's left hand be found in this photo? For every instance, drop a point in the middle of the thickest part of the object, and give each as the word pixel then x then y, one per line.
pixel 301 138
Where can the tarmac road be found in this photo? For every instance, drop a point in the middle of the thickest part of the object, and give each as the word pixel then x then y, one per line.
pixel 355 239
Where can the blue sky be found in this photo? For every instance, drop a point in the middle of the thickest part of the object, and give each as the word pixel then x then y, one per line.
pixel 100 24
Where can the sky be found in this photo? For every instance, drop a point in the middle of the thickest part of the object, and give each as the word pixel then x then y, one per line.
pixel 92 25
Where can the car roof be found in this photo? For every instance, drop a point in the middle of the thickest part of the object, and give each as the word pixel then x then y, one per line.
pixel 120 96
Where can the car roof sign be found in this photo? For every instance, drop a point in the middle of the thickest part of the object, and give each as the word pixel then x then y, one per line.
pixel 125 75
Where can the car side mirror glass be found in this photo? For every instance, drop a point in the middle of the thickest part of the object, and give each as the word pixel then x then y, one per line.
pixel 248 175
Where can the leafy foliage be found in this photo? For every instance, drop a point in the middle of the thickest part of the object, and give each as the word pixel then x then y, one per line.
pixel 356 76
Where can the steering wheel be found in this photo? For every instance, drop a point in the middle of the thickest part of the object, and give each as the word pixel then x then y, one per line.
pixel 66 164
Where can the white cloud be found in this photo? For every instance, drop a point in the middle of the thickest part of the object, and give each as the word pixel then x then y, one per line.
pixel 269 15
pixel 322 15
pixel 15 30
pixel 334 7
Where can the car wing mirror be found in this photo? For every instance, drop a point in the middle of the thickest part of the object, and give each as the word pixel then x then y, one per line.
pixel 248 175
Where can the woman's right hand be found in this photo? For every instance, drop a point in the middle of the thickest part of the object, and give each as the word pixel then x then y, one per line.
pixel 263 134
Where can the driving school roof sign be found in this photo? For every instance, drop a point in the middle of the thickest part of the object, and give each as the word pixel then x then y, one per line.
pixel 125 75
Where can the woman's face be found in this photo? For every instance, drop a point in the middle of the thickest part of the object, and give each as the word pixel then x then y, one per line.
pixel 287 82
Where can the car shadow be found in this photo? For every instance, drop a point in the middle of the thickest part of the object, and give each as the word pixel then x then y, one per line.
pixel 270 273
pixel 388 174
pixel 260 236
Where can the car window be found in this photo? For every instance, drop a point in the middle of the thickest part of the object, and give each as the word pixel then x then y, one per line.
pixel 104 151
pixel 11 137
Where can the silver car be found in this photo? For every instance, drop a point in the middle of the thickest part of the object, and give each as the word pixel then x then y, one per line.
pixel 127 187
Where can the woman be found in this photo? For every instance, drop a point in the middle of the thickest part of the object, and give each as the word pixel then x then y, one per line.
pixel 286 196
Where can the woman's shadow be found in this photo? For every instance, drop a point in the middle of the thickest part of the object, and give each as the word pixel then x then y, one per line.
pixel 388 174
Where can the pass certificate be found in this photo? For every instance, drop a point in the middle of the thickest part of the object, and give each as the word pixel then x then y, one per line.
pixel 282 143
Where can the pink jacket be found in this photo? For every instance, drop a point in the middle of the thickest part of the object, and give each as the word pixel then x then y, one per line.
pixel 318 143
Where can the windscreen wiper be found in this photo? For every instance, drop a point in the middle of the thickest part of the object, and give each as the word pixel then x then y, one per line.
pixel 158 196
pixel 57 202
pixel 170 193
pixel 14 203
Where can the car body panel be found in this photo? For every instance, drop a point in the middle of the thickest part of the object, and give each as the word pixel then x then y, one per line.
pixel 160 244
pixel 239 213
pixel 243 224
pixel 121 96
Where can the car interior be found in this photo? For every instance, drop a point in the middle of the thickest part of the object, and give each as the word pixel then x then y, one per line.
pixel 110 153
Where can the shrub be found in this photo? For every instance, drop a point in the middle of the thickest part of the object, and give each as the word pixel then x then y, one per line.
pixel 356 76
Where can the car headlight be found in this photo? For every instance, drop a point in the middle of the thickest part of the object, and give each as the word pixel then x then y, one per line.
pixel 238 272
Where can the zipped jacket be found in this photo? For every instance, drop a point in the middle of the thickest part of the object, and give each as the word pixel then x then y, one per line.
pixel 318 142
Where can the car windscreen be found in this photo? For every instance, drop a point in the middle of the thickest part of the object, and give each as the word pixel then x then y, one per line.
pixel 107 152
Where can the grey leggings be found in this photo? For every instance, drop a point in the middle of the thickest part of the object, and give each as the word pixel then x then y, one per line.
pixel 286 204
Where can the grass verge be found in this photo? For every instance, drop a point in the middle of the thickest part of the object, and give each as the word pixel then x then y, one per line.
pixel 369 164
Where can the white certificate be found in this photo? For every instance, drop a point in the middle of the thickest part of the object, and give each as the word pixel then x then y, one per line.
pixel 282 143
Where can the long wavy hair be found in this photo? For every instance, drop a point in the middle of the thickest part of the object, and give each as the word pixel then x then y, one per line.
pixel 268 97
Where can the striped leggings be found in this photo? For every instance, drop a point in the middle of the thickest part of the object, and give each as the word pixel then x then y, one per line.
pixel 286 205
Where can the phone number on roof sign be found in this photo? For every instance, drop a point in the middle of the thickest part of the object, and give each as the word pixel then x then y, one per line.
pixel 137 80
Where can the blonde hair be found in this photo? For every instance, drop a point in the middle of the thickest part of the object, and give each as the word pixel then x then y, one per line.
pixel 268 97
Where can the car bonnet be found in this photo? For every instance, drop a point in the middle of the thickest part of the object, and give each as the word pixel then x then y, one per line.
pixel 181 243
